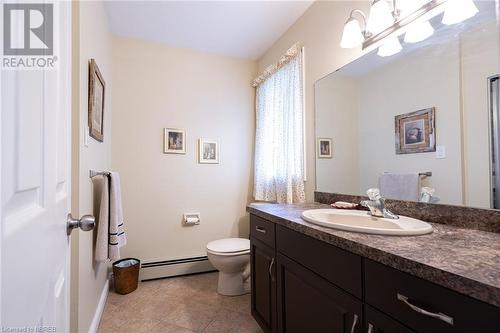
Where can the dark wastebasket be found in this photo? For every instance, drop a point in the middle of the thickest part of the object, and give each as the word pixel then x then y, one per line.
pixel 126 273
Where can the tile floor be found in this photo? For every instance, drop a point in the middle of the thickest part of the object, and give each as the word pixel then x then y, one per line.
pixel 180 304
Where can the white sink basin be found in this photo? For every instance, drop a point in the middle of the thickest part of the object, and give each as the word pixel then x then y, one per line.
pixel 360 221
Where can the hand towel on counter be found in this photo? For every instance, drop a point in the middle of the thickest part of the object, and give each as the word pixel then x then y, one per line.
pixel 110 230
pixel 400 186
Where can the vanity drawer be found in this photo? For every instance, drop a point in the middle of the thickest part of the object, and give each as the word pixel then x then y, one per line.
pixel 338 266
pixel 395 293
pixel 262 230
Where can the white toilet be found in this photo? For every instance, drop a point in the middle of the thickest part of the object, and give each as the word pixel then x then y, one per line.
pixel 231 256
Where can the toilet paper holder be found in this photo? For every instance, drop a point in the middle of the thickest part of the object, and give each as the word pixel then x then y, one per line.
pixel 191 218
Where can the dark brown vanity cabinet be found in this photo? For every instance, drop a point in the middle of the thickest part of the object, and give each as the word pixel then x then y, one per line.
pixel 263 285
pixel 289 297
pixel 301 284
pixel 263 280
pixel 309 303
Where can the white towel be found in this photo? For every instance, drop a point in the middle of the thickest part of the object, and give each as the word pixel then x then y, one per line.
pixel 400 186
pixel 110 230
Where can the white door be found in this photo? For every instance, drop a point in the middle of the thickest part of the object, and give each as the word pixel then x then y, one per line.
pixel 35 182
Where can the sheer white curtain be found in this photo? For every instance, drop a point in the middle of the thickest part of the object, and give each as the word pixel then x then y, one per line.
pixel 279 139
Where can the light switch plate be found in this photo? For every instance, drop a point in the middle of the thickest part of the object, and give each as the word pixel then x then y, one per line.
pixel 86 137
pixel 440 151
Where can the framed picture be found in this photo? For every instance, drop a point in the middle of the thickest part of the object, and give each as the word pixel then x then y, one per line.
pixel 208 151
pixel 415 132
pixel 174 141
pixel 324 148
pixel 96 102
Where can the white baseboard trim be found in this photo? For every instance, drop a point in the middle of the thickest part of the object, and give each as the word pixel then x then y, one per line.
pixel 168 268
pixel 100 308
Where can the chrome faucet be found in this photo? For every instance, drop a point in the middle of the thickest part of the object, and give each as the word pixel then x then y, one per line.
pixel 376 204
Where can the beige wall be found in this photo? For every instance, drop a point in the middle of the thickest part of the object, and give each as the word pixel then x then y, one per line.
pixel 157 86
pixel 91 39
pixel 319 30
pixel 337 118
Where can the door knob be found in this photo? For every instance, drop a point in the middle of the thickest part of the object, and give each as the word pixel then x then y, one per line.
pixel 86 223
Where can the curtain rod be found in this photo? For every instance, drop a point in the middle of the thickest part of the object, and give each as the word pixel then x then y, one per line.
pixel 291 53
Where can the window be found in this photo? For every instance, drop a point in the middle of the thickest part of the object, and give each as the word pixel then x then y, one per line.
pixel 279 139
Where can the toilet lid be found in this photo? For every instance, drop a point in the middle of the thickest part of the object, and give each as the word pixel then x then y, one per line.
pixel 229 245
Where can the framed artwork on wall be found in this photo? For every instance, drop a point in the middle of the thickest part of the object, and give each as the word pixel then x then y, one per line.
pixel 415 132
pixel 208 151
pixel 96 102
pixel 324 148
pixel 174 141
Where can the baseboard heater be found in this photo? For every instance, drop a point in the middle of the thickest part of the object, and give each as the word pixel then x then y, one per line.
pixel 162 269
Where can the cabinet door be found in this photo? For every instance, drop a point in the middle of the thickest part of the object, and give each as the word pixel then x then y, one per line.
pixel 377 322
pixel 263 285
pixel 308 303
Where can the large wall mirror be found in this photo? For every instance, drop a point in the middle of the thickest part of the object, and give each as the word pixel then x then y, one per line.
pixel 426 117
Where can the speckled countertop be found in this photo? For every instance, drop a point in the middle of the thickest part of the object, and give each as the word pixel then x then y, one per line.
pixel 464 260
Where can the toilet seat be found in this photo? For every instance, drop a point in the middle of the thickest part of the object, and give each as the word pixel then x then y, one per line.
pixel 229 246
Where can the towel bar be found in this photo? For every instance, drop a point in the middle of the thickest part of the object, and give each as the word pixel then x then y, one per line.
pixel 93 173
pixel 422 174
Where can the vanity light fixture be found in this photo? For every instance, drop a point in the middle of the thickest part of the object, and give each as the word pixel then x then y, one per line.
pixel 381 16
pixel 457 11
pixel 386 22
pixel 406 7
pixel 390 47
pixel 353 35
pixel 418 31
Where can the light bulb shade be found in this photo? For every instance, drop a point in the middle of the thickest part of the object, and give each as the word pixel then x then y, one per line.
pixel 380 17
pixel 407 7
pixel 418 31
pixel 390 47
pixel 457 11
pixel 352 35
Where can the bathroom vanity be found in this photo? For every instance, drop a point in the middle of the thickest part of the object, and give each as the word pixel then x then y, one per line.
pixel 308 278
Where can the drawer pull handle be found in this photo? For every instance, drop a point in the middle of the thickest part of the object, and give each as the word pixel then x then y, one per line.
pixel 440 316
pixel 271 269
pixel 354 323
pixel 260 229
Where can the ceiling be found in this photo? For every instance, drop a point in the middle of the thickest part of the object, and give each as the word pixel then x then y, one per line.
pixel 243 29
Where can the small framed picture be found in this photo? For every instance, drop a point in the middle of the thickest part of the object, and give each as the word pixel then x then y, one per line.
pixel 96 102
pixel 174 141
pixel 208 151
pixel 324 148
pixel 415 132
